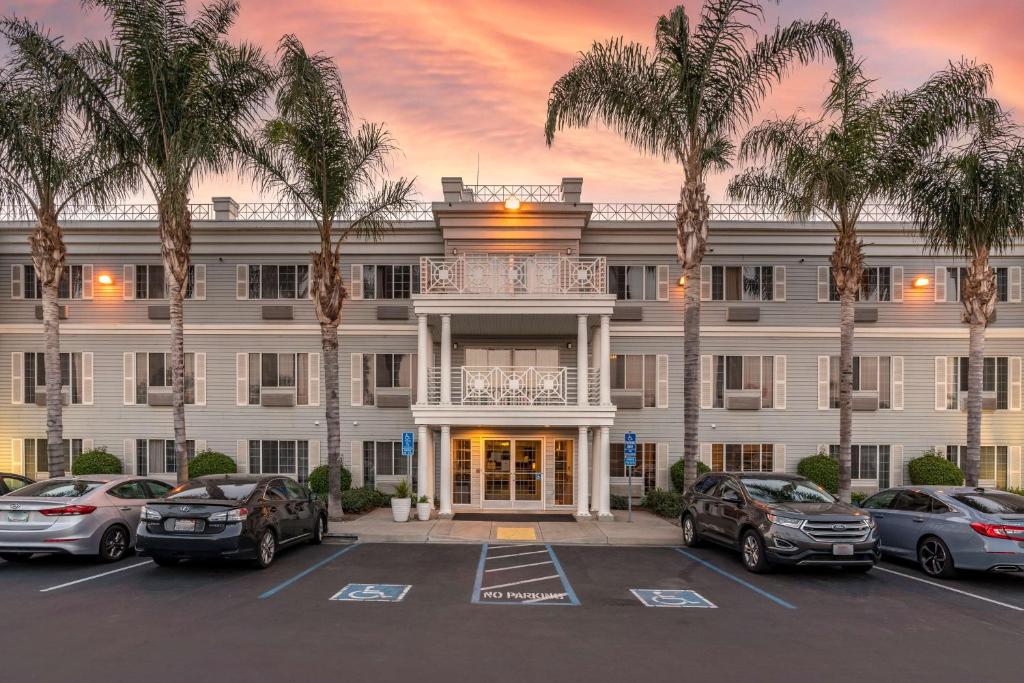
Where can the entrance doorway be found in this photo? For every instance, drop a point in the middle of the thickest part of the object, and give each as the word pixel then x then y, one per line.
pixel 513 473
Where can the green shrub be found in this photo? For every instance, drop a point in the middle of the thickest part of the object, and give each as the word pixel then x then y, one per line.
pixel 96 461
pixel 664 503
pixel 618 502
pixel 402 489
pixel 319 480
pixel 211 462
pixel 931 469
pixel 360 500
pixel 676 472
pixel 822 469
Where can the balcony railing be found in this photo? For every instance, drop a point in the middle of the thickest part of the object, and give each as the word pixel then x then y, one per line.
pixel 648 213
pixel 513 274
pixel 512 386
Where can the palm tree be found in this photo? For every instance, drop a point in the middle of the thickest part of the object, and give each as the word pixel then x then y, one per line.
pixel 311 155
pixel 835 165
pixel 684 102
pixel 48 162
pixel 967 198
pixel 173 96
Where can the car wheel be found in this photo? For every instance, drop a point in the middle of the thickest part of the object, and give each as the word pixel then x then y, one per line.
pixel 165 560
pixel 935 559
pixel 114 544
pixel 266 549
pixel 15 557
pixel 319 529
pixel 691 538
pixel 752 550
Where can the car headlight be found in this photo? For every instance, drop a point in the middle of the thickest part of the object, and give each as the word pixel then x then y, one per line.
pixel 785 521
pixel 150 515
pixel 870 521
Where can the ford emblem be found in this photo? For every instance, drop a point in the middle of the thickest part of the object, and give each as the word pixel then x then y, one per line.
pixel 838 527
pixel 186 508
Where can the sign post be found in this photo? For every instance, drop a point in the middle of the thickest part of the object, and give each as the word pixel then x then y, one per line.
pixel 629 460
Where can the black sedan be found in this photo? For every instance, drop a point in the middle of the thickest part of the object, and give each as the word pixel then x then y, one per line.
pixel 230 516
pixel 12 482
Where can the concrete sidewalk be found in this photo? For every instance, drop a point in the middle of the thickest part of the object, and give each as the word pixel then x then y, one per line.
pixel 378 527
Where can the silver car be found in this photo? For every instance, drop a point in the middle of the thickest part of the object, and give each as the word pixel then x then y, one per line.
pixel 947 528
pixel 86 515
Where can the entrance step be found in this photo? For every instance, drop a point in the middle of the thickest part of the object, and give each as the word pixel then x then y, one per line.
pixel 526 518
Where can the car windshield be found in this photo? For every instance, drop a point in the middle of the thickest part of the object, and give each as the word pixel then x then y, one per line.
pixel 786 491
pixel 58 488
pixel 212 490
pixel 993 503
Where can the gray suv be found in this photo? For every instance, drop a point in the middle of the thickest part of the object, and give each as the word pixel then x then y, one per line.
pixel 774 518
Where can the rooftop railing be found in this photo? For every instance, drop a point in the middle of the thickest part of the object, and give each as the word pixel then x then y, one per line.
pixel 513 274
pixel 115 212
pixel 524 193
pixel 651 213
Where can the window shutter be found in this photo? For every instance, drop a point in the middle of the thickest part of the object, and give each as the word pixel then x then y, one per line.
pixel 779 457
pixel 896 466
pixel 87 281
pixel 1014 382
pixel 128 456
pixel 356 468
pixel 87 378
pixel 129 379
pixel 355 289
pixel 661 398
pixel 356 367
pixel 779 283
pixel 128 281
pixel 314 454
pixel 705 283
pixel 706 381
pixel 17 378
pixel 663 288
pixel 1014 293
pixel 823 382
pixel 897 284
pixel 17 281
pixel 242 281
pixel 200 446
pixel 823 283
pixel 241 379
pixel 314 379
pixel 1013 469
pixel 17 456
pixel 940 382
pixel 705 454
pixel 242 456
pixel 199 282
pixel 940 284
pixel 897 382
pixel 200 378
pixel 661 466
pixel 86 445
pixel 779 374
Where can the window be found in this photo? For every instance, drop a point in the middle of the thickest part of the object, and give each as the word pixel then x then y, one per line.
pixel 745 457
pixel 279 371
pixel 956 276
pixel 913 501
pixel 881 501
pixel 151 282
pixel 387 371
pixel 271 456
pixel 36 460
pixel 995 381
pixel 153 376
pixel 706 483
pixel 635 373
pixel 70 376
pixel 462 472
pixel 992 467
pixel 867 462
pixel 390 282
pixel 130 490
pixel 156 456
pixel 645 470
pixel 70 286
pixel 278 282
pixel 388 460
pixel 870 374
pixel 564 472
pixel 742 283
pixel 638 283
pixel 744 374
pixel 875 285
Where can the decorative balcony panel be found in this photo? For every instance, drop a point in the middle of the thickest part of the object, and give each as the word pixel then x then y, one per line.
pixel 512 386
pixel 513 275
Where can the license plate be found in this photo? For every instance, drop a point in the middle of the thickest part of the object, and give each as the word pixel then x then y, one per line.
pixel 17 516
pixel 842 549
pixel 184 525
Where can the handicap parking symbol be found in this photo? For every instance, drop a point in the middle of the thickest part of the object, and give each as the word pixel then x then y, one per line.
pixel 651 597
pixel 371 592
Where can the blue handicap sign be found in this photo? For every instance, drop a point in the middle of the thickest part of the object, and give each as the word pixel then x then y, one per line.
pixel 630 445
pixel 371 592
pixel 408 444
pixel 659 597
pixel 630 460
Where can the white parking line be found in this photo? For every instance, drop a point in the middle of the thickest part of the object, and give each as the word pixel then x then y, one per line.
pixel 499 557
pixel 518 566
pixel 519 583
pixel 96 576
pixel 554 596
pixel 949 588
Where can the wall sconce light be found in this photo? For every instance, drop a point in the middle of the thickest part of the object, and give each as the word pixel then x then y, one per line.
pixel 570 346
pixel 105 279
pixel 921 281
pixel 455 252
pixel 568 251
pixel 682 280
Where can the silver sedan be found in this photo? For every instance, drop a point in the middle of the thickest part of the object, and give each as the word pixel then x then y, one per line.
pixel 86 515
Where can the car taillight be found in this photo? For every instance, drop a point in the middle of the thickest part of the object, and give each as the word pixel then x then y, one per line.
pixel 999 530
pixel 69 511
pixel 236 515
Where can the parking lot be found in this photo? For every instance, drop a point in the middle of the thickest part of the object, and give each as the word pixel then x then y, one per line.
pixel 501 612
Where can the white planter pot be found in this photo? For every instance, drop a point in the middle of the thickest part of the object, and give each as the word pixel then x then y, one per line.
pixel 400 508
pixel 423 511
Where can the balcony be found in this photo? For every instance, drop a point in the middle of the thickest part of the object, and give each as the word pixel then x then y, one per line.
pixel 513 386
pixel 513 275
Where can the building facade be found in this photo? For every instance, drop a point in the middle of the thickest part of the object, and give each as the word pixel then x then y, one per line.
pixel 519 333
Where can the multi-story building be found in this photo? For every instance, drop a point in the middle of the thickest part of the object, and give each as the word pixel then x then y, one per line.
pixel 519 333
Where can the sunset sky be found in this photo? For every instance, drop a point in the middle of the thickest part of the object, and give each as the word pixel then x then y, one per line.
pixel 454 79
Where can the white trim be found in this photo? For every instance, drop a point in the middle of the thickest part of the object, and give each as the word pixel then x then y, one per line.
pixel 275 329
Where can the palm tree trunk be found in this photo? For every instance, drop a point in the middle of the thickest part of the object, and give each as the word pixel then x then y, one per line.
pixel 975 366
pixel 329 340
pixel 846 330
pixel 176 248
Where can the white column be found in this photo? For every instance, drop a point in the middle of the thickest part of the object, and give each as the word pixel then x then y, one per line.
pixel 422 464
pixel 446 471
pixel 446 361
pixel 582 393
pixel 606 362
pixel 604 507
pixel 595 469
pixel 422 359
pixel 582 507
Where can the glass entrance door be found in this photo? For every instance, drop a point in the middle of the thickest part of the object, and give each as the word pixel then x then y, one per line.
pixel 527 475
pixel 497 471
pixel 513 473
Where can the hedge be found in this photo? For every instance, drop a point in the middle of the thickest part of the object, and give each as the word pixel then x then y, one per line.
pixel 676 472
pixel 319 480
pixel 618 502
pixel 931 469
pixel 363 500
pixel 664 503
pixel 211 462
pixel 822 469
pixel 96 461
